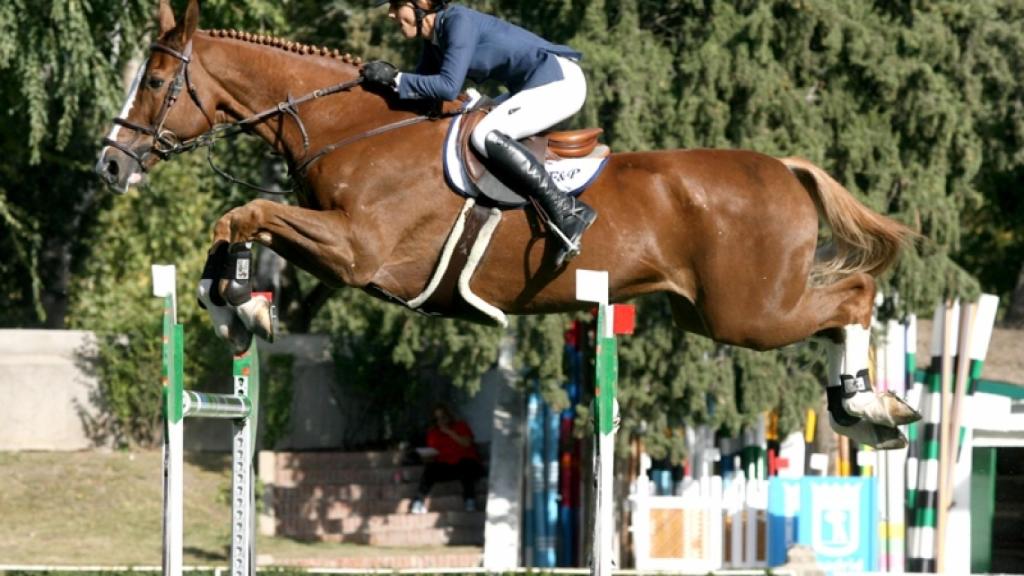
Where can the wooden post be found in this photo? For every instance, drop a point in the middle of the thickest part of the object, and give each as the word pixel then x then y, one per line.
pixel 968 313
pixel 948 346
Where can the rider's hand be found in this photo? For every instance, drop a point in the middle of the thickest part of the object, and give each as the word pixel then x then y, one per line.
pixel 380 73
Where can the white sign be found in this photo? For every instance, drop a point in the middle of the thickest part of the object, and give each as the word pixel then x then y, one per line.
pixel 592 286
pixel 163 280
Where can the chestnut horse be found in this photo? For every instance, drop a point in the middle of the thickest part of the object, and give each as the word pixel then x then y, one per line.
pixel 729 236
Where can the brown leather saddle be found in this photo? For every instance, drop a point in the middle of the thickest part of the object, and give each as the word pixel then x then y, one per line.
pixel 488 189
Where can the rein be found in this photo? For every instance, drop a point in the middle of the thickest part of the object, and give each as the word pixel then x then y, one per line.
pixel 167 145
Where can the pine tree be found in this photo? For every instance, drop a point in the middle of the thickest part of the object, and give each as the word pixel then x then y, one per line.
pixel 913 106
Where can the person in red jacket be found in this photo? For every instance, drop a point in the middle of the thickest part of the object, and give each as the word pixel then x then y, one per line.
pixel 456 459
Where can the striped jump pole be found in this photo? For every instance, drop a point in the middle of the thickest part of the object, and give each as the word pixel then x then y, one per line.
pixel 592 286
pixel 921 557
pixel 241 407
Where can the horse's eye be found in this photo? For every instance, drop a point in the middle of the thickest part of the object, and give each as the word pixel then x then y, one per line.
pixel 155 83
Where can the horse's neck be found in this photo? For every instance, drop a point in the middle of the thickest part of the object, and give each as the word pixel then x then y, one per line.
pixel 252 78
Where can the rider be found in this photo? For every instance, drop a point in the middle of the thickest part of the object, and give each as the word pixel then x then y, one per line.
pixel 545 86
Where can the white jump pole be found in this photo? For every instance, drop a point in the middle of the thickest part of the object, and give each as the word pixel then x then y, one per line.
pixel 592 286
pixel 241 407
pixel 164 279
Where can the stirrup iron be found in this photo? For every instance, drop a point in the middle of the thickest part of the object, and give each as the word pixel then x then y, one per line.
pixel 572 247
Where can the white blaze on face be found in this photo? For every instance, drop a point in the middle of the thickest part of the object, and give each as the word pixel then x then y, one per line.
pixel 126 109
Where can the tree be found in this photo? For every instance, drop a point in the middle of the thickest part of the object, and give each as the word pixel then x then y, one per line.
pixel 60 68
pixel 993 246
pixel 913 106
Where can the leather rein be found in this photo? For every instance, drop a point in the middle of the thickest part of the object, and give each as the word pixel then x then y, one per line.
pixel 166 144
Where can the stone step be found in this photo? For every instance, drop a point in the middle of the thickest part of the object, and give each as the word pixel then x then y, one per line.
pixel 365 498
pixel 453 536
pixel 458 558
pixel 327 519
pixel 439 503
pixel 383 523
pixel 320 522
pixel 289 477
pixel 359 493
pixel 337 460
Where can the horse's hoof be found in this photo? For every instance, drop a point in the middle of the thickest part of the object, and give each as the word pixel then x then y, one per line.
pixel 901 412
pixel 228 326
pixel 886 409
pixel 871 434
pixel 240 341
pixel 259 316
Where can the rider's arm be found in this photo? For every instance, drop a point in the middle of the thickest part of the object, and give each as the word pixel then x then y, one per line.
pixel 459 40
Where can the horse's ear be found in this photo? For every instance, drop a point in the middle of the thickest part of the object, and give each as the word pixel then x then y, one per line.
pixel 191 20
pixel 166 16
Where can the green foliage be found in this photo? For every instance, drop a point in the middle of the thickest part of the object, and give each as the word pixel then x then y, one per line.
pixel 913 106
pixel 167 220
pixel 390 358
pixel 993 239
pixel 276 390
pixel 670 379
pixel 113 294
pixel 630 91
pixel 60 68
pixel 129 410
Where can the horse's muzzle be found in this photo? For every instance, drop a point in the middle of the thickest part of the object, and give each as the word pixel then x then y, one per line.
pixel 117 170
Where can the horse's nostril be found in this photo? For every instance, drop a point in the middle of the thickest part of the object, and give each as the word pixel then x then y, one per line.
pixel 112 168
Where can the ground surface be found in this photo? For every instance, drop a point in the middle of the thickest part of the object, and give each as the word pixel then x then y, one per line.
pixel 104 508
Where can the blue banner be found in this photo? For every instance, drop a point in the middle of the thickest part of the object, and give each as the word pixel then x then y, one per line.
pixel 835 517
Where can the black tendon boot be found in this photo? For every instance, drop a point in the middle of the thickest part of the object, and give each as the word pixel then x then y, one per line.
pixel 516 167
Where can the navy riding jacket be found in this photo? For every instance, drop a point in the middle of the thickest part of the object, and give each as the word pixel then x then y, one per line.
pixel 470 44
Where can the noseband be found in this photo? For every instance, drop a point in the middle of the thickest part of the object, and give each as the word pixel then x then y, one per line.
pixel 165 142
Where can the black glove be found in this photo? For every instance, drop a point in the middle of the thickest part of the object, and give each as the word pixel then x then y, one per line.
pixel 380 73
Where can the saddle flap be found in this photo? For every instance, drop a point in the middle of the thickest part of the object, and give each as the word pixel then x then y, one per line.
pixel 479 176
pixel 474 166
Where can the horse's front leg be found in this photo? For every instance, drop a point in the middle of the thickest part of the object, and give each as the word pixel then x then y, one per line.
pixel 317 241
pixel 227 323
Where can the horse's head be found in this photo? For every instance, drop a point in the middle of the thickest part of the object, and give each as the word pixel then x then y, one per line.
pixel 163 107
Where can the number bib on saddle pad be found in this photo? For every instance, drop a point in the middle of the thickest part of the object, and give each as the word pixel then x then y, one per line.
pixel 469 177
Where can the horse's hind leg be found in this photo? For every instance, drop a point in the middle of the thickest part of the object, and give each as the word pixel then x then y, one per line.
pixel 840 312
pixel 854 408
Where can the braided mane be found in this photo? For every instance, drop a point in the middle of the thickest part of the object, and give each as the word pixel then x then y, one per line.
pixel 287 45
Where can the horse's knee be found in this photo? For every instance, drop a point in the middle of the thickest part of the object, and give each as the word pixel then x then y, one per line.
pixel 243 221
pixel 222 229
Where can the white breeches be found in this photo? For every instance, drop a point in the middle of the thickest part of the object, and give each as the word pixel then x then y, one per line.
pixel 532 111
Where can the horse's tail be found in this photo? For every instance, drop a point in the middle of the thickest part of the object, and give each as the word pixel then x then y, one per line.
pixel 862 240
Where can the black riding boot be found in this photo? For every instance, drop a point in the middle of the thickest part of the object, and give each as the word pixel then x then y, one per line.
pixel 516 167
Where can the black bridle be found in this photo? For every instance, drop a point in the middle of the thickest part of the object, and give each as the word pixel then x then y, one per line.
pixel 166 144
